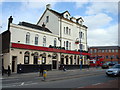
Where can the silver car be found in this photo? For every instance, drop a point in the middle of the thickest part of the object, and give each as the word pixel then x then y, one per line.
pixel 114 71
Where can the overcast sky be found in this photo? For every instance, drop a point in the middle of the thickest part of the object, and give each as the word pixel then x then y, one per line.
pixel 100 17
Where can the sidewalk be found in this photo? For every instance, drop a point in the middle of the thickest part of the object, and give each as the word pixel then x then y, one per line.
pixel 57 74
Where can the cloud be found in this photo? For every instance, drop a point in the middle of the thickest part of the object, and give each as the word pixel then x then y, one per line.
pixel 97 21
pixel 37 5
pixel 106 7
pixel 103 37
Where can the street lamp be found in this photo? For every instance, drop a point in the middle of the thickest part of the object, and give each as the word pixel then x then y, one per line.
pixel 80 51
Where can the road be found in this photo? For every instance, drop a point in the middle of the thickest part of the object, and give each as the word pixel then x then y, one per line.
pixel 73 82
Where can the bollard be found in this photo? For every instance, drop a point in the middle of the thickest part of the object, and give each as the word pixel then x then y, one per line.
pixel 44 75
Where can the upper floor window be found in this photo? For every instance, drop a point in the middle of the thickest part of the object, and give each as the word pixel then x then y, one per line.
pixel 67 45
pixel 28 37
pixel 47 19
pixel 66 30
pixel 116 50
pixel 69 31
pixel 67 16
pixel 44 41
pixel 80 34
pixel 70 46
pixel 55 42
pixel 36 39
pixel 64 43
pixel 112 50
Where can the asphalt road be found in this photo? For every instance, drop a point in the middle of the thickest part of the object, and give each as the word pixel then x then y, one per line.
pixel 77 82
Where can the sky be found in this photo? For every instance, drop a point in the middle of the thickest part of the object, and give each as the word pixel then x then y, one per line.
pixel 100 17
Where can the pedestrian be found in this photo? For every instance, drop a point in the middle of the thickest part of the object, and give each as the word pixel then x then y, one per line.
pixel 88 64
pixel 9 71
pixel 3 70
pixel 64 68
pixel 41 70
pixel 20 68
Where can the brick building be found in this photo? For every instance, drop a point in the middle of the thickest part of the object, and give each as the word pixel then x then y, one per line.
pixel 109 53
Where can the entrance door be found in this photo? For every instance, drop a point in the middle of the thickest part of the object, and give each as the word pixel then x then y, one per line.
pixel 54 64
pixel 14 58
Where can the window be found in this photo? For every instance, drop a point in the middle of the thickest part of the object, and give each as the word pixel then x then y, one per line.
pixel 107 57
pixel 109 50
pixel 67 45
pixel 64 43
pixel 90 50
pixel 47 19
pixel 81 46
pixel 113 50
pixel 95 51
pixel 116 50
pixel 36 39
pixel 26 57
pixel 66 16
pixel 70 46
pixel 102 50
pixel 44 41
pixel 55 42
pixel 28 38
pixel 66 30
pixel 69 31
pixel 80 34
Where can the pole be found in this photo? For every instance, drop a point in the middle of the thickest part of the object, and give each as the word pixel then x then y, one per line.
pixel 80 53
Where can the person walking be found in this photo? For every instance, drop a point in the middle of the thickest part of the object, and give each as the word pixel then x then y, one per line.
pixel 41 70
pixel 9 71
pixel 20 68
pixel 3 70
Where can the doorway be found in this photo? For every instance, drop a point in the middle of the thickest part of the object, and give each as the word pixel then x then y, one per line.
pixel 14 63
pixel 54 64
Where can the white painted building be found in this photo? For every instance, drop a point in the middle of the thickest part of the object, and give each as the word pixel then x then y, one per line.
pixel 51 42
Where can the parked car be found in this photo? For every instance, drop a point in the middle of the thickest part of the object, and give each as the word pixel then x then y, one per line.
pixel 114 71
pixel 109 64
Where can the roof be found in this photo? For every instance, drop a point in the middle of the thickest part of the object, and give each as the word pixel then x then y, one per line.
pixel 106 47
pixel 61 15
pixel 26 24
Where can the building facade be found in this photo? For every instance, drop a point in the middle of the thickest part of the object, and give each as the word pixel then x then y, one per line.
pixel 109 53
pixel 51 42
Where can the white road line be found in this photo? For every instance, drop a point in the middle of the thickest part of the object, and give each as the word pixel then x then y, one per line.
pixel 22 83
pixel 96 84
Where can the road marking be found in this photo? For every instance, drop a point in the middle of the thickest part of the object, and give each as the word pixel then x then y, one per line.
pixel 96 84
pixel 22 83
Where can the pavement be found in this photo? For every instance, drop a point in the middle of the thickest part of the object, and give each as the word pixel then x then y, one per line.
pixel 58 74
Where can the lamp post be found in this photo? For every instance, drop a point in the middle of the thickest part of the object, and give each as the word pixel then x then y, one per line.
pixel 80 52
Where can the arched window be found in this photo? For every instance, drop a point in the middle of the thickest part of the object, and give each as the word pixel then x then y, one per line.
pixel 36 39
pixel 44 41
pixel 80 34
pixel 26 57
pixel 28 38
pixel 55 42
pixel 35 58
pixel 44 58
pixel 70 46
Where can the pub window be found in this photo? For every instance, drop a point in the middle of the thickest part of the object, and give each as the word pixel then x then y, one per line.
pixel 26 57
pixel 28 38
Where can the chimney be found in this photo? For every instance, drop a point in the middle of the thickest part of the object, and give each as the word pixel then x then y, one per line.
pixel 48 6
pixel 43 26
pixel 9 21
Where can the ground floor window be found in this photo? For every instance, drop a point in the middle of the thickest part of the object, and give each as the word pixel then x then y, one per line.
pixel 26 57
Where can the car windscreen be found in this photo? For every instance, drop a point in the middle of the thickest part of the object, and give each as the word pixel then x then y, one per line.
pixel 116 66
